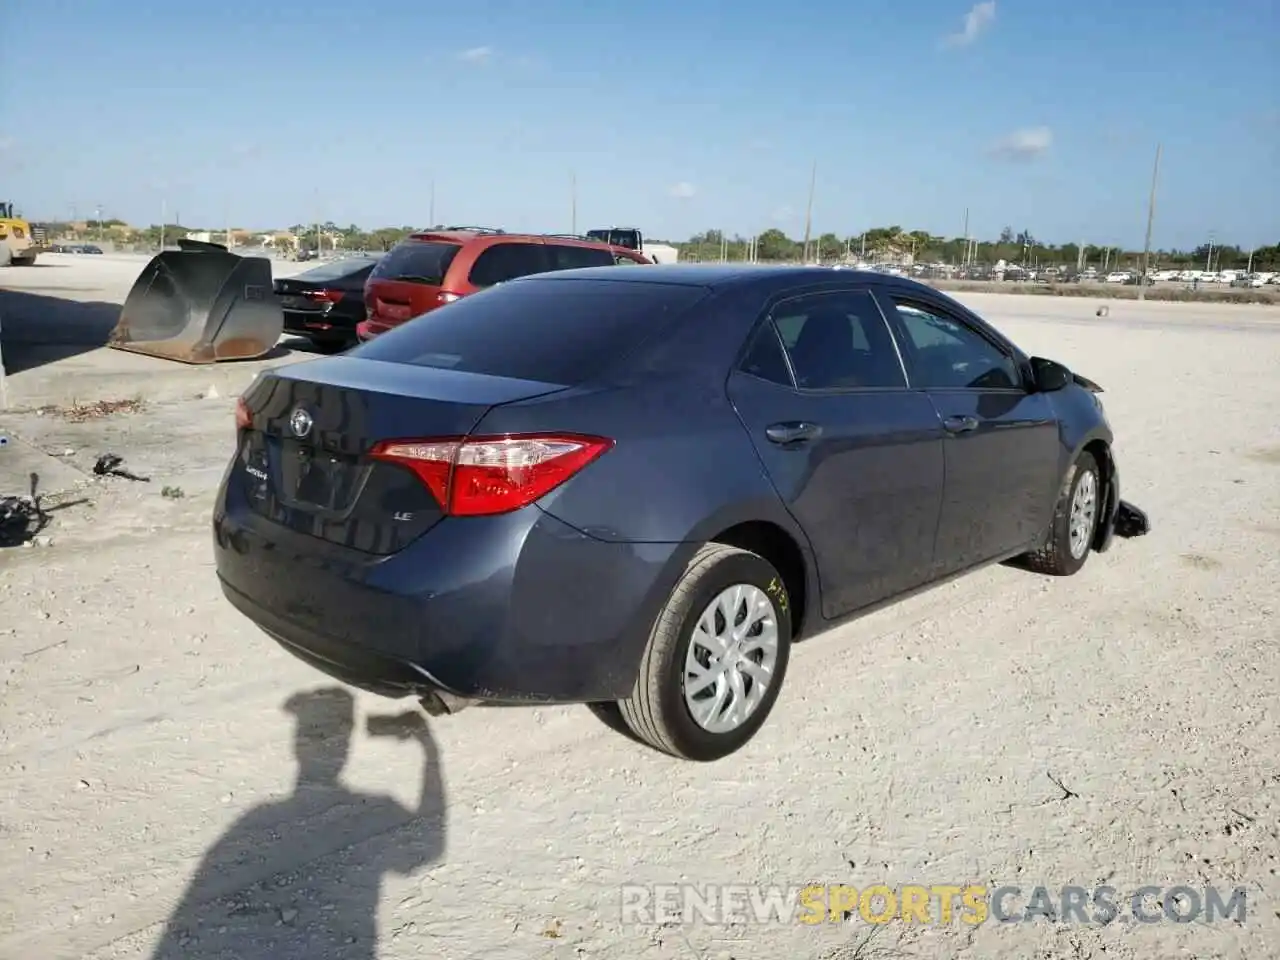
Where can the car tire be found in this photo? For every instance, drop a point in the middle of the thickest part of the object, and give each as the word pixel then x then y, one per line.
pixel 659 710
pixel 1078 509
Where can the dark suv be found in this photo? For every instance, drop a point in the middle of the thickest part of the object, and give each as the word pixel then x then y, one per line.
pixel 432 268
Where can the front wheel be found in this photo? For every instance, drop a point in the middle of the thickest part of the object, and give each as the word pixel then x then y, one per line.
pixel 1075 522
pixel 716 657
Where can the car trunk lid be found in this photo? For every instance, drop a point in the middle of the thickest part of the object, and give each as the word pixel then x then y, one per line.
pixel 304 458
pixel 307 296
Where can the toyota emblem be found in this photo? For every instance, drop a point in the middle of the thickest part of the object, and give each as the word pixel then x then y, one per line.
pixel 300 423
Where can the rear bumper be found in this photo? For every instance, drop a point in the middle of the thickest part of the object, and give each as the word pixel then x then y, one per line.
pixel 511 609
pixel 317 324
pixel 368 329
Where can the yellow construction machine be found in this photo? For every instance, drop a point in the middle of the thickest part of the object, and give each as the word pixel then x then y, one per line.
pixel 18 247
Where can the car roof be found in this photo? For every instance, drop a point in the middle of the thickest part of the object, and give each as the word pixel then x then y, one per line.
pixel 725 275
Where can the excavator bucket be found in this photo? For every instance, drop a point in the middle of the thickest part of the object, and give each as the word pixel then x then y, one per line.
pixel 200 304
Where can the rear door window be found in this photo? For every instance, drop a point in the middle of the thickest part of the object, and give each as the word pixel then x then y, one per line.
pixel 838 341
pixel 417 261
pixel 550 330
pixel 508 261
pixel 565 257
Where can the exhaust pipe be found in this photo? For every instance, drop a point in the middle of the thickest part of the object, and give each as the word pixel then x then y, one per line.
pixel 440 704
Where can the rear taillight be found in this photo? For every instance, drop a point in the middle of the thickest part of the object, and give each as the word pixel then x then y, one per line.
pixel 482 476
pixel 329 297
pixel 244 416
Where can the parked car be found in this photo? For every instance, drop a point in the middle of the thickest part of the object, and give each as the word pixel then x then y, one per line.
pixel 641 486
pixel 433 268
pixel 324 304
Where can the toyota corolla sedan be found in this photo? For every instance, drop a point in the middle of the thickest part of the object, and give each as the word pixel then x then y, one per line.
pixel 641 487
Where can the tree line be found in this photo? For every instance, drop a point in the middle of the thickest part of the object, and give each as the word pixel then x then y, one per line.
pixel 885 244
pixel 889 244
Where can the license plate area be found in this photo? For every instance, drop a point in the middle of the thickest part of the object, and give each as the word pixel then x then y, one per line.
pixel 317 479
pixel 395 311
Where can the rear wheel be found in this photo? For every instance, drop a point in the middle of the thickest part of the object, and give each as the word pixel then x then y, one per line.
pixel 24 261
pixel 716 657
pixel 1075 521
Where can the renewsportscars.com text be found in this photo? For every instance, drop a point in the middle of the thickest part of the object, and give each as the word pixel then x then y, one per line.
pixel 933 905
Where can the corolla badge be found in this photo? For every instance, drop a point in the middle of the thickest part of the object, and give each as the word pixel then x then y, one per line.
pixel 300 422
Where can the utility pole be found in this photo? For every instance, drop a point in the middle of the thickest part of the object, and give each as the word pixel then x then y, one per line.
pixel 1209 257
pixel 965 261
pixel 573 202
pixel 1151 215
pixel 163 214
pixel 808 213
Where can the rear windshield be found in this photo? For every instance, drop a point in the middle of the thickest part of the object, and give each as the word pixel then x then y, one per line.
pixel 555 331
pixel 417 261
pixel 335 270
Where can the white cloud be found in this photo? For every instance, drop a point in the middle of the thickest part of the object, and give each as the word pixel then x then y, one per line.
pixel 976 22
pixel 476 55
pixel 682 190
pixel 1025 144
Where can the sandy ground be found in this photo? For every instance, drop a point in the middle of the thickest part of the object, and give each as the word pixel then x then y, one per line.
pixel 150 762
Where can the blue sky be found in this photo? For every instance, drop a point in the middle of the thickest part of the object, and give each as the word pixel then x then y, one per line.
pixel 675 117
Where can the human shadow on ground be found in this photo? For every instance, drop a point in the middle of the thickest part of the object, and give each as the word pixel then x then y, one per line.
pixel 300 878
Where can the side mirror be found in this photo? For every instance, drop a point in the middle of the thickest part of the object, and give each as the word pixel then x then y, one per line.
pixel 1049 374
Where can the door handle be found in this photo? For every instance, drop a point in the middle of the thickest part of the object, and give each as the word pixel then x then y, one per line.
pixel 794 432
pixel 960 424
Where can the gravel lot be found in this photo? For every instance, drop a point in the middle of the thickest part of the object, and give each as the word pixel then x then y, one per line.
pixel 149 752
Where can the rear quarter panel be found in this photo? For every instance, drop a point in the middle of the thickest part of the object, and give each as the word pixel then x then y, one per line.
pixel 682 468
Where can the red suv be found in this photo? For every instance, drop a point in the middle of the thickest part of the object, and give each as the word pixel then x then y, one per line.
pixel 435 267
